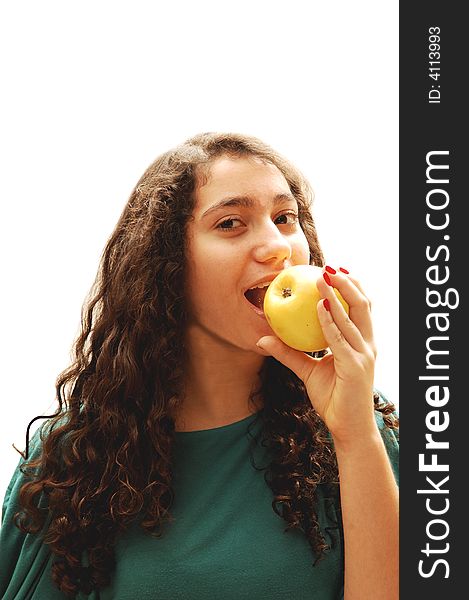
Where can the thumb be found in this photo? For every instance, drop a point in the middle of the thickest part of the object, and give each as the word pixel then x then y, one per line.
pixel 300 363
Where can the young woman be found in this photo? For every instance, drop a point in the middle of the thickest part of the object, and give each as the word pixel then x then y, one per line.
pixel 193 454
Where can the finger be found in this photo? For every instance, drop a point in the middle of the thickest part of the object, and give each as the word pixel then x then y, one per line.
pixel 300 363
pixel 359 306
pixel 335 339
pixel 358 284
pixel 370 305
pixel 369 338
pixel 344 323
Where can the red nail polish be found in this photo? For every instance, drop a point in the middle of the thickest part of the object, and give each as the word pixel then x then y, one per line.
pixel 327 279
pixel 343 270
pixel 327 306
pixel 331 270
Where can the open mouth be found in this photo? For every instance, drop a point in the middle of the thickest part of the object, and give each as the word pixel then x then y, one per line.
pixel 256 295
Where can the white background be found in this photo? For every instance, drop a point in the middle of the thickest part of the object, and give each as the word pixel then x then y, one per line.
pixel 92 92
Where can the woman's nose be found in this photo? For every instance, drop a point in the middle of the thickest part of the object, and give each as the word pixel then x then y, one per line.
pixel 271 245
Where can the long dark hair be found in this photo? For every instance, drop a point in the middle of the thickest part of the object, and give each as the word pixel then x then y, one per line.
pixel 106 453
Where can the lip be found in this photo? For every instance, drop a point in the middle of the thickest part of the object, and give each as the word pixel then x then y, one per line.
pixel 268 278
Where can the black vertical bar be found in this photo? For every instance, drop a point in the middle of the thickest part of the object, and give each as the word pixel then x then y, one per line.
pixel 434 350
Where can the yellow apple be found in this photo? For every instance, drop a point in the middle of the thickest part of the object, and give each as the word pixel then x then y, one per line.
pixel 290 307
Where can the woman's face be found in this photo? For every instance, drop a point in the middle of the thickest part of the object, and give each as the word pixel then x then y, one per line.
pixel 244 231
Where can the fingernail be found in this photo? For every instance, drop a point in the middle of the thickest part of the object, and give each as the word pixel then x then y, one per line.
pixel 263 350
pixel 327 306
pixel 331 270
pixel 343 270
pixel 327 279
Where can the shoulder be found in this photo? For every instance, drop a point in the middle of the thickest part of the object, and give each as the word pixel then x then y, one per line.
pixel 23 555
pixel 26 559
pixel 19 477
pixel 24 472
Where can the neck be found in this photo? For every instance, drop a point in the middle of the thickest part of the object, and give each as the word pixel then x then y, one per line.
pixel 219 381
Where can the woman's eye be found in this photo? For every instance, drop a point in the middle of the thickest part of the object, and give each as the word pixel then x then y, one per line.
pixel 227 224
pixel 289 218
pixel 231 224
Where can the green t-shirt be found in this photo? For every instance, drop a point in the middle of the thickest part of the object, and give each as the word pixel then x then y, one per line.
pixel 226 541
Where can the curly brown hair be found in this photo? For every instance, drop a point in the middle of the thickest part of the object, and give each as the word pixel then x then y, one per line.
pixel 105 456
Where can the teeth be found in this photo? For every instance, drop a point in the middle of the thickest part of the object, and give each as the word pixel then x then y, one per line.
pixel 261 285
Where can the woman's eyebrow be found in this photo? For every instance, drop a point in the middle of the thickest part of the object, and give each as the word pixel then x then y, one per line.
pixel 246 202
